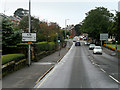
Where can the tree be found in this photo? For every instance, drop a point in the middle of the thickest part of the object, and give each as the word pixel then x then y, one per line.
pixel 78 29
pixel 97 21
pixel 10 36
pixel 35 24
pixel 20 12
pixel 116 26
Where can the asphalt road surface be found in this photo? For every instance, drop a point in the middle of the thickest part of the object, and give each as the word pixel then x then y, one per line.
pixel 80 68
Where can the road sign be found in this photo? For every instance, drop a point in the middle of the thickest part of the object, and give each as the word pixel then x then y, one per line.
pixel 104 36
pixel 29 37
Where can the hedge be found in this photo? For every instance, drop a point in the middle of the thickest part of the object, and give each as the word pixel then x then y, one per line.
pixel 12 57
pixel 51 46
pixel 44 46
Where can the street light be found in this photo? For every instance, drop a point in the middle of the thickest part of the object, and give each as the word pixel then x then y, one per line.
pixel 66 26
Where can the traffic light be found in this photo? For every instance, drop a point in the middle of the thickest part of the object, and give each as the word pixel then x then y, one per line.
pixel 59 38
pixel 116 39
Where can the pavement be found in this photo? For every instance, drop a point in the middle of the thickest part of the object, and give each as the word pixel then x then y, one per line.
pixel 111 52
pixel 29 76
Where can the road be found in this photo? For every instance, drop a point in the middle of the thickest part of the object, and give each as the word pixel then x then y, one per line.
pixel 81 69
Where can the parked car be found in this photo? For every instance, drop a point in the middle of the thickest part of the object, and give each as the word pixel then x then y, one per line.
pixel 77 43
pixel 91 46
pixel 97 49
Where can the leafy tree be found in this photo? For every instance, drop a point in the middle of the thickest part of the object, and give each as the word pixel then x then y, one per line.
pixel 63 33
pixel 97 21
pixel 10 36
pixel 24 24
pixel 78 29
pixel 45 31
pixel 20 12
pixel 116 26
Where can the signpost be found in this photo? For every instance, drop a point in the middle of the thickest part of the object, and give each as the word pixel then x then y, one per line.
pixel 29 37
pixel 103 37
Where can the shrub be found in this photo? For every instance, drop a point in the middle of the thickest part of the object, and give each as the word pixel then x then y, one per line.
pixel 12 57
pixel 51 46
pixel 41 46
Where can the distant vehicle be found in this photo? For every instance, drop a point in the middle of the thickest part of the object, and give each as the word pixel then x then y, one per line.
pixel 91 46
pixel 87 43
pixel 97 49
pixel 77 43
pixel 76 38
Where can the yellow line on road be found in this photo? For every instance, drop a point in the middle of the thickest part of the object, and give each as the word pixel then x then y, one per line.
pixel 59 59
pixel 45 79
pixel 45 74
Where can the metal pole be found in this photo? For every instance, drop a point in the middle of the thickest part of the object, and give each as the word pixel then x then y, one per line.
pixel 29 52
pixel 59 48
pixel 65 27
pixel 101 42
pixel 116 47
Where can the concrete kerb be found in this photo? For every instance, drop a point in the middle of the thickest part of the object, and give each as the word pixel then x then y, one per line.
pixel 44 74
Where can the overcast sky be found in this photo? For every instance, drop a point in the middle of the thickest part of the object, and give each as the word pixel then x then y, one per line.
pixel 58 10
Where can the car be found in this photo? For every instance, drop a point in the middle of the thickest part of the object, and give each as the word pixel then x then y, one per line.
pixel 97 50
pixel 91 46
pixel 87 43
pixel 74 40
pixel 77 43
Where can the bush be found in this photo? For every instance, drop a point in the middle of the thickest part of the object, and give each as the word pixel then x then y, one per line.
pixel 44 46
pixel 51 46
pixel 12 57
pixel 41 46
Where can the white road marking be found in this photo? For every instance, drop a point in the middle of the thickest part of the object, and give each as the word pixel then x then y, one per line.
pixel 103 70
pixel 114 79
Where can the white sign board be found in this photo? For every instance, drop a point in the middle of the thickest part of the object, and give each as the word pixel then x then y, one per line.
pixel 29 37
pixel 104 36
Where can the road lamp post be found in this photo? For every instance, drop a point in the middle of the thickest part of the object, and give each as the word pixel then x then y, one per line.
pixel 66 26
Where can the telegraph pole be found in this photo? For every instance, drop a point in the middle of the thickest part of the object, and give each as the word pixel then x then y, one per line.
pixel 29 45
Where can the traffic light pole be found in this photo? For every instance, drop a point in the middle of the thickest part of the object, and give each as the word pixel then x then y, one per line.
pixel 59 48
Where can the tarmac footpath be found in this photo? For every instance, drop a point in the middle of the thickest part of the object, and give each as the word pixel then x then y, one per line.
pixel 29 76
